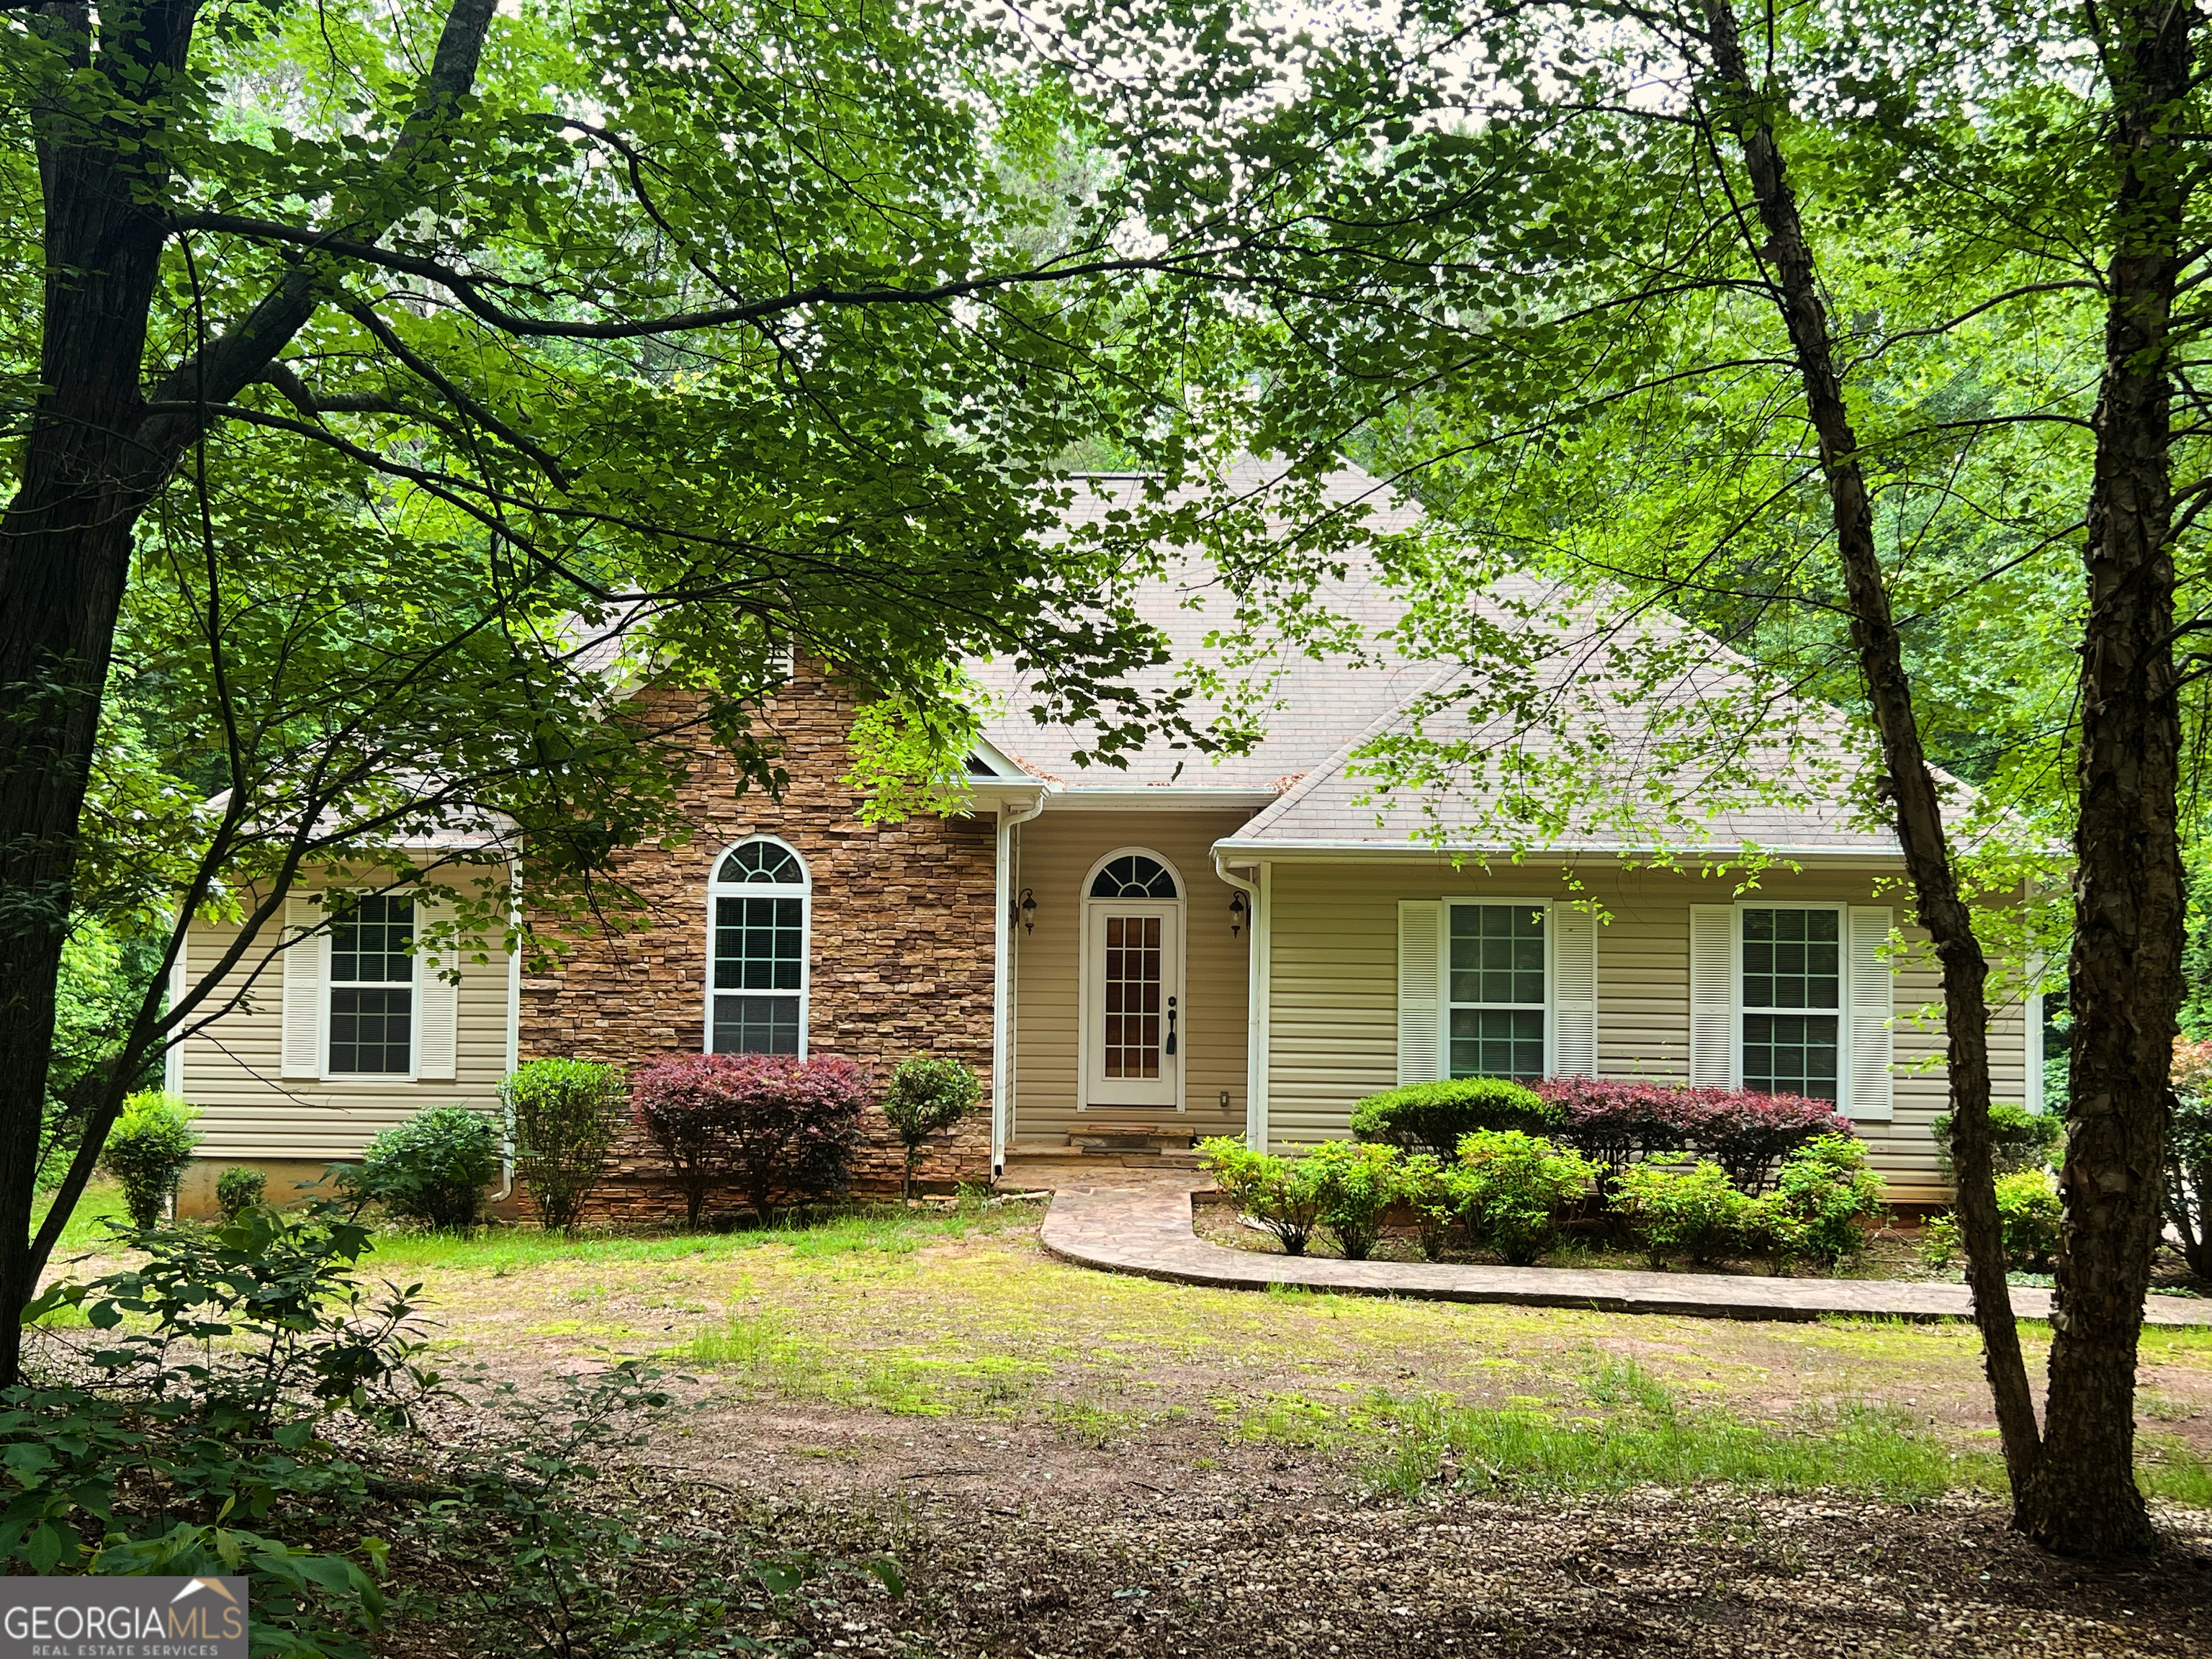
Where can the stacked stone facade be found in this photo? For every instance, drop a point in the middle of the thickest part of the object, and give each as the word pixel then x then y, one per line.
pixel 901 945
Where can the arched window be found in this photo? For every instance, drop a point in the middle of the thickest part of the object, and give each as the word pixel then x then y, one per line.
pixel 1132 876
pixel 756 940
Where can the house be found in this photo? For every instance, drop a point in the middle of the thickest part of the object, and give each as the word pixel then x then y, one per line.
pixel 1186 947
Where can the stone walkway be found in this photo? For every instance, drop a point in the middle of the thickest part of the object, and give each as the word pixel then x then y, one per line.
pixel 1131 1221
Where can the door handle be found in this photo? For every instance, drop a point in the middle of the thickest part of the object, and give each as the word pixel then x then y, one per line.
pixel 1171 1019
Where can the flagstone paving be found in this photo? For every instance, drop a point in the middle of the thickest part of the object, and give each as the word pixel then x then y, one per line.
pixel 1139 1221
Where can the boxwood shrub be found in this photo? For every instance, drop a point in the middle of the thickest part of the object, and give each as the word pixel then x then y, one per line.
pixel 1435 1117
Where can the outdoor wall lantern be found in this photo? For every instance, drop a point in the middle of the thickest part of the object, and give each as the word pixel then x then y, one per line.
pixel 1235 913
pixel 1025 908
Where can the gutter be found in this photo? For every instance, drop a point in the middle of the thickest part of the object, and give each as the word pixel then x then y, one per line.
pixel 1002 978
pixel 1309 851
pixel 1255 1005
pixel 513 1030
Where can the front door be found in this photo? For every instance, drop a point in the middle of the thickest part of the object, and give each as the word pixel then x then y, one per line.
pixel 1133 984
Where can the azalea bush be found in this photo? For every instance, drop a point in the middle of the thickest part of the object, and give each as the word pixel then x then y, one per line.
pixel 1823 1192
pixel 2030 1214
pixel 1517 1188
pixel 1434 1190
pixel 2019 1139
pixel 240 1188
pixel 1618 1122
pixel 432 1168
pixel 1699 1211
pixel 1281 1194
pixel 1356 1185
pixel 1435 1117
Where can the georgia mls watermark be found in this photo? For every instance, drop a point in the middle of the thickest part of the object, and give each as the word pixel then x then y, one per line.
pixel 122 1618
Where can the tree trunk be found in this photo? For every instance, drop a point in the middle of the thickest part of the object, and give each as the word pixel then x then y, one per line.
pixel 1942 911
pixel 64 557
pixel 2128 910
pixel 93 462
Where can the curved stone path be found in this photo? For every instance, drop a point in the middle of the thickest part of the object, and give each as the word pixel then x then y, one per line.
pixel 1128 1221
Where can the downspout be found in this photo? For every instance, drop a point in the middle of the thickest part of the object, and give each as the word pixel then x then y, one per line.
pixel 1002 983
pixel 1255 1020
pixel 513 1025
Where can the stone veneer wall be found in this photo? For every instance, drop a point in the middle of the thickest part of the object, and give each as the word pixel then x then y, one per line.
pixel 901 941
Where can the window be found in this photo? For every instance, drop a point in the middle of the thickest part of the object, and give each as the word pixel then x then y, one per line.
pixel 1133 876
pixel 372 1029
pixel 1495 988
pixel 757 1000
pixel 1793 983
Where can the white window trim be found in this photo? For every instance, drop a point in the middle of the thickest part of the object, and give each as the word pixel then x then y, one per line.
pixel 803 890
pixel 1086 1009
pixel 1842 1010
pixel 323 950
pixel 1444 1003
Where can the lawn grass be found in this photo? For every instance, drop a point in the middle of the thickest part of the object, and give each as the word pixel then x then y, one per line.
pixel 888 1230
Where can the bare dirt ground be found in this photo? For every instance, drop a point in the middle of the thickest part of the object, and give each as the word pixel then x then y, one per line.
pixel 1069 1463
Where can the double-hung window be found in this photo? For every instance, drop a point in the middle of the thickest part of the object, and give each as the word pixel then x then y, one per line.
pixel 758 929
pixel 1792 1000
pixel 371 989
pixel 1496 976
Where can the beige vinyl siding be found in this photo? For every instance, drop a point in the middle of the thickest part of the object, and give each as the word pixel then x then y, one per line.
pixel 1333 1007
pixel 1054 853
pixel 231 1071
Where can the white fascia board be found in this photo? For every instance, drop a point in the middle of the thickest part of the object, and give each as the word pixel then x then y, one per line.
pixel 1308 851
pixel 1002 764
pixel 1157 798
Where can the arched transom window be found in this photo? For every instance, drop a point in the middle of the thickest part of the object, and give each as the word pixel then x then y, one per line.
pixel 758 938
pixel 1132 876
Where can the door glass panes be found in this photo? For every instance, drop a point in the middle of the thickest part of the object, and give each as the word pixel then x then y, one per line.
pixel 760 947
pixel 1792 971
pixel 1496 985
pixel 1133 876
pixel 1133 983
pixel 372 989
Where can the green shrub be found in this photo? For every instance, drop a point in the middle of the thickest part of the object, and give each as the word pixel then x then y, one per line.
pixel 2019 1139
pixel 1821 1195
pixel 238 1189
pixel 1435 1117
pixel 147 1151
pixel 1356 1185
pixel 432 1168
pixel 2029 1211
pixel 1281 1193
pixel 1939 1241
pixel 564 1116
pixel 1698 1210
pixel 1435 1192
pixel 926 1095
pixel 1515 1188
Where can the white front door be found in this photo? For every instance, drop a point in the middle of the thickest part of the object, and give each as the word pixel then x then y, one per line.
pixel 1133 1011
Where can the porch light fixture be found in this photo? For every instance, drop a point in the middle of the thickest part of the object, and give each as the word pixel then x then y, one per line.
pixel 1025 911
pixel 1235 913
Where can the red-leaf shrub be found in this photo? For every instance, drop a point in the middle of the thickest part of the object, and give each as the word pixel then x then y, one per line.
pixel 777 1125
pixel 1748 1133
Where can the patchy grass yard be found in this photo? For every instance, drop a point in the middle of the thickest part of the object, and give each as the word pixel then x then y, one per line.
pixel 1068 1464
pixel 963 1318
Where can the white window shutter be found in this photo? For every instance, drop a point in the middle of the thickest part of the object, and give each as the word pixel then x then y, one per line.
pixel 1869 1097
pixel 1420 1035
pixel 302 1017
pixel 1574 991
pixel 1712 996
pixel 437 999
